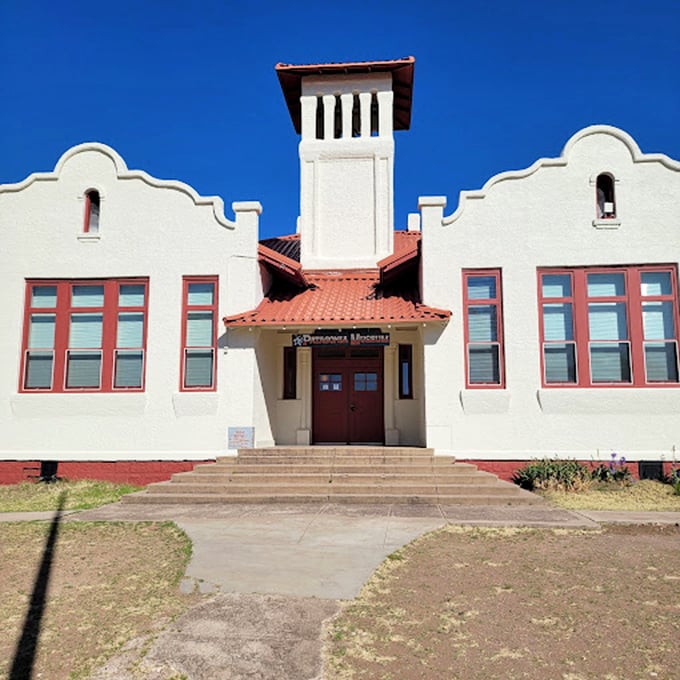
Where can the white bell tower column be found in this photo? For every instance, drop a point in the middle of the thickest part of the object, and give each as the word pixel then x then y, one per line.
pixel 346 169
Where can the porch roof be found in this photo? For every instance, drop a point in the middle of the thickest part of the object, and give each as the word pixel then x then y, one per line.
pixel 339 297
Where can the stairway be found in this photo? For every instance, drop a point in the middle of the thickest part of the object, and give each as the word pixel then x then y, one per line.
pixel 335 474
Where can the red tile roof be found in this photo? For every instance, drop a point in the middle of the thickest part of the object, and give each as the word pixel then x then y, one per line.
pixel 338 298
pixel 282 265
pixel 290 77
pixel 405 248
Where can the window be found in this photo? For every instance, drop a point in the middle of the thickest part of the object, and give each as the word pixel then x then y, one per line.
pixel 199 333
pixel 365 382
pixel 330 382
pixel 609 326
pixel 84 335
pixel 92 209
pixel 606 207
pixel 483 317
pixel 289 372
pixel 405 372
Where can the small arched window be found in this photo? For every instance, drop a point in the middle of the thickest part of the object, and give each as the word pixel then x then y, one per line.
pixel 605 201
pixel 92 210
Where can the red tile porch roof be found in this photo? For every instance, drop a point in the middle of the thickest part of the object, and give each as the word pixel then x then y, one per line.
pixel 389 293
pixel 339 298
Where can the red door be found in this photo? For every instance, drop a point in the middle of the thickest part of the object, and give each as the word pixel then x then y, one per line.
pixel 348 396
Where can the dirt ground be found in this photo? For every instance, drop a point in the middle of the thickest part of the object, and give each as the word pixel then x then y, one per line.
pixel 107 583
pixel 517 603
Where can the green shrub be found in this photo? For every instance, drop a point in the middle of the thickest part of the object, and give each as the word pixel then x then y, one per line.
pixel 554 474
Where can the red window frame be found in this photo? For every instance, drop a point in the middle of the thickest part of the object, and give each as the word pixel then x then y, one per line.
pixel 633 299
pixel 495 302
pixel 212 347
pixel 62 311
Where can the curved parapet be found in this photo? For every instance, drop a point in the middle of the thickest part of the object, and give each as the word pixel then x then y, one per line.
pixel 123 173
pixel 610 131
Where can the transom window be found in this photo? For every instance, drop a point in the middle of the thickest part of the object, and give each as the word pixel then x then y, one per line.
pixel 85 335
pixel 615 326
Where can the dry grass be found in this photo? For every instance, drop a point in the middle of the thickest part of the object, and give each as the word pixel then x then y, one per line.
pixel 80 495
pixel 109 583
pixel 640 496
pixel 479 603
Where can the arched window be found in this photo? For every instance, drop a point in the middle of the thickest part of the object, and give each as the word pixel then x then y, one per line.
pixel 92 209
pixel 606 205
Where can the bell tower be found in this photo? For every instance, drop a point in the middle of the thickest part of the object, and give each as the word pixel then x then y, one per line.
pixel 346 114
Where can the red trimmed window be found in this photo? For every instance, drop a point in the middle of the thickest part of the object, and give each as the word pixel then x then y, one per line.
pixel 614 326
pixel 405 372
pixel 84 336
pixel 483 315
pixel 199 332
pixel 92 210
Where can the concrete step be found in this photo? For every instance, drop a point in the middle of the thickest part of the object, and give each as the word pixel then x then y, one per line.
pixel 359 499
pixel 324 477
pixel 403 487
pixel 331 451
pixel 334 474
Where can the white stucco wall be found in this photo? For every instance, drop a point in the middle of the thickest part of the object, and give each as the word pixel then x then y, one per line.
pixel 542 217
pixel 148 228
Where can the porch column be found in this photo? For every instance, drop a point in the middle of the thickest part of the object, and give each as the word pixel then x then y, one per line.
pixel 304 381
pixel 391 432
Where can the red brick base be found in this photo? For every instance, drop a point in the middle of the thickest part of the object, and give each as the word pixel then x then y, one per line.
pixel 139 472
pixel 505 469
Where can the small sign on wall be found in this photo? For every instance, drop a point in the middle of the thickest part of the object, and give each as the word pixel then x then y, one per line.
pixel 240 437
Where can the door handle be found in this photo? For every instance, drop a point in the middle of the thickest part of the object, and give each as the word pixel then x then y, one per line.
pixel 352 407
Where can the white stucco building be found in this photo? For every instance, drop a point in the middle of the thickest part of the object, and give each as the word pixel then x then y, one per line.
pixel 145 331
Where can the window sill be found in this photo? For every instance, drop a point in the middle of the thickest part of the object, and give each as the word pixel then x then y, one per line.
pixel 195 404
pixel 613 223
pixel 89 237
pixel 610 401
pixel 488 401
pixel 48 404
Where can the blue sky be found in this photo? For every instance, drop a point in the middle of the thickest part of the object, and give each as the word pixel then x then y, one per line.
pixel 187 90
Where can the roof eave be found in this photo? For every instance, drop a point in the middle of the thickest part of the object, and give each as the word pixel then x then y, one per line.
pixel 290 77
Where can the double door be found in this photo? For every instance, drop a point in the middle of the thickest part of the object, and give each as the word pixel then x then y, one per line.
pixel 348 395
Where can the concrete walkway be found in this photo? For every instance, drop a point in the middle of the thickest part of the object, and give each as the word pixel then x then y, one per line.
pixel 324 551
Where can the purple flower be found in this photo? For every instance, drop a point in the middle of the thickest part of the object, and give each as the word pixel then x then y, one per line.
pixel 623 460
pixel 613 455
